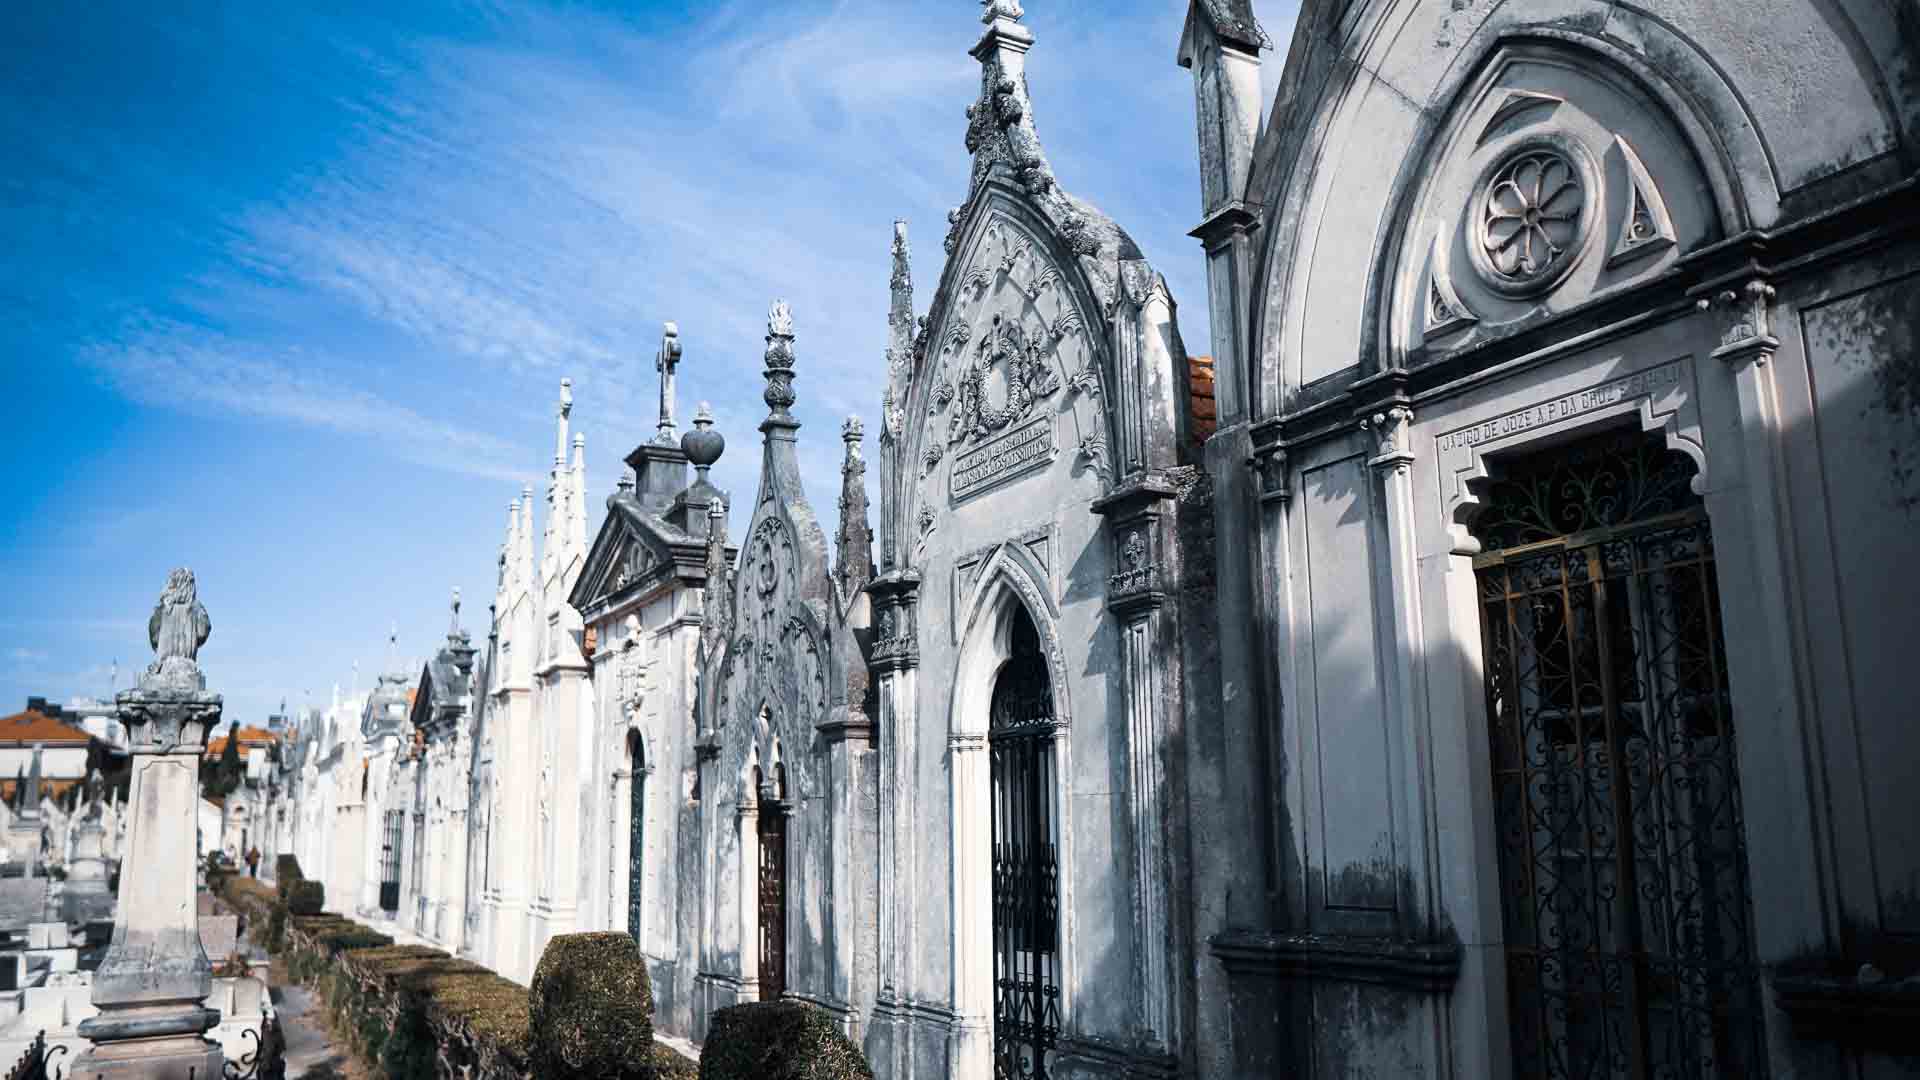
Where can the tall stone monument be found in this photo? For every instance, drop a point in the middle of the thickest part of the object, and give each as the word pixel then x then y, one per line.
pixel 150 986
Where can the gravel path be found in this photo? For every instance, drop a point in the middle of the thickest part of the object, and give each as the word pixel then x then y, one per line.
pixel 309 1055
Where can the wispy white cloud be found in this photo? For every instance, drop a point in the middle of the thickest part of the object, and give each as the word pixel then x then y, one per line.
pixel 175 365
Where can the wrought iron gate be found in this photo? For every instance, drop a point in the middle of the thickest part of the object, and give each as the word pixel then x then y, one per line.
pixel 1026 885
pixel 773 891
pixel 636 833
pixel 1617 794
pixel 390 860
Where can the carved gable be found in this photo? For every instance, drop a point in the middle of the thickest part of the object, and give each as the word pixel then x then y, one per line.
pixel 1553 182
pixel 620 557
pixel 1012 376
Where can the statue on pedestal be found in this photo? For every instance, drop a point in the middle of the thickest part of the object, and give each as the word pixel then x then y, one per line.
pixel 151 986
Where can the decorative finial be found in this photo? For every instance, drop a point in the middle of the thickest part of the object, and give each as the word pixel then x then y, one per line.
pixel 851 433
pixel 627 481
pixel 664 362
pixel 703 445
pixel 1001 9
pixel 779 357
pixel 452 630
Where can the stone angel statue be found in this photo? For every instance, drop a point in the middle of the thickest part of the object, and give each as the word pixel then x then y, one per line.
pixel 179 625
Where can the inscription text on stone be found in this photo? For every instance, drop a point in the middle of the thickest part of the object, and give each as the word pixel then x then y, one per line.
pixel 1018 451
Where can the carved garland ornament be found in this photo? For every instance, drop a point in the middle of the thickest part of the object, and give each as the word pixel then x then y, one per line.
pixel 1029 378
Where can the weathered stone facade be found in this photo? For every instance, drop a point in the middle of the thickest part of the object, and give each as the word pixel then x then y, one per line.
pixel 1565 342
pixel 1508 613
pixel 641 597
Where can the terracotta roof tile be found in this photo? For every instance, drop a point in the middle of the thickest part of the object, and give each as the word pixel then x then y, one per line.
pixel 27 728
pixel 1201 404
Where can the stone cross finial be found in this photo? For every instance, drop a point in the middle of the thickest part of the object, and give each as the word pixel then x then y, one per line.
pixel 566 410
pixel 664 362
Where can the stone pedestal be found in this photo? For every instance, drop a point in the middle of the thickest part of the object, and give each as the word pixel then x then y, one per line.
pixel 150 987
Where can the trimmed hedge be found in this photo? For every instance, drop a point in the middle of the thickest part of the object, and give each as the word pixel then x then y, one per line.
pixel 412 1012
pixel 779 1040
pixel 286 871
pixel 307 897
pixel 591 1006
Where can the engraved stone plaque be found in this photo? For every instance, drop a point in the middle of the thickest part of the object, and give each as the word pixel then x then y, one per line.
pixel 1014 454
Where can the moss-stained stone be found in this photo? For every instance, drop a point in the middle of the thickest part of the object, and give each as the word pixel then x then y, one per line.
pixel 591 1006
pixel 779 1040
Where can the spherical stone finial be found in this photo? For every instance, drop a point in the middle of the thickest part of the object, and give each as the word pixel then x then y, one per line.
pixel 703 445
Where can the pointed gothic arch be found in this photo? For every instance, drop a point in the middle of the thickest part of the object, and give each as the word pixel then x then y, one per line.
pixel 1012 626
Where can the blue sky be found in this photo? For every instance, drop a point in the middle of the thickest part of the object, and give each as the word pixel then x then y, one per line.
pixel 288 290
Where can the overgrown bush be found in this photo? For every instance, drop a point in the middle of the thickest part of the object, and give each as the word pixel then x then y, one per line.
pixel 591 1006
pixel 307 898
pixel 779 1040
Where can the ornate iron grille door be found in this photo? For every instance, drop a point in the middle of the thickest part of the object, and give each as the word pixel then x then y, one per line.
pixel 636 849
pixel 390 861
pixel 773 903
pixel 1026 883
pixel 1617 796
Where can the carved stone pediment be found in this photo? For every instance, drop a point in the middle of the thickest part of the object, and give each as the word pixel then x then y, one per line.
pixel 620 557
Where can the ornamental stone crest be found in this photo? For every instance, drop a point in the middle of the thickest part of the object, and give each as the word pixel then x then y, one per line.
pixel 1025 373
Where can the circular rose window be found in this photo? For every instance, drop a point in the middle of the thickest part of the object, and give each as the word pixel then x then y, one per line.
pixel 1532 211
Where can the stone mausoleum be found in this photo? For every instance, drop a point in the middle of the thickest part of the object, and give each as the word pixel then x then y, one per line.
pixel 1486 664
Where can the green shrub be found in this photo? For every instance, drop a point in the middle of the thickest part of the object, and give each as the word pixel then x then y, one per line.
pixel 779 1040
pixel 276 929
pixel 349 938
pixel 307 898
pixel 491 1007
pixel 669 1065
pixel 591 1007
pixel 286 871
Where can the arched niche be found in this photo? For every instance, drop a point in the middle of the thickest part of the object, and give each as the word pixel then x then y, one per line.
pixel 1007 595
pixel 1351 208
pixel 1560 175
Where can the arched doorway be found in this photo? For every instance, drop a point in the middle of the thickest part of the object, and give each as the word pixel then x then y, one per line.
pixel 636 832
pixel 1628 920
pixel 1026 871
pixel 772 829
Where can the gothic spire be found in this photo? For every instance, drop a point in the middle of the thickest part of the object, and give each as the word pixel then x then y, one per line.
pixel 854 556
pixel 900 316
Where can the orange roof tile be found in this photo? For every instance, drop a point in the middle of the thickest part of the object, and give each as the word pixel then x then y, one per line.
pixel 27 728
pixel 250 737
pixel 1201 398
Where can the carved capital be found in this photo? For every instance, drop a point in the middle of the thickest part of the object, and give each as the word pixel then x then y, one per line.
pixel 1271 474
pixel 1745 322
pixel 161 722
pixel 896 623
pixel 1390 428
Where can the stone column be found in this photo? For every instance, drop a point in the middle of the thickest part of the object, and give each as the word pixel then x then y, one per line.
pixel 1139 519
pixel 150 987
